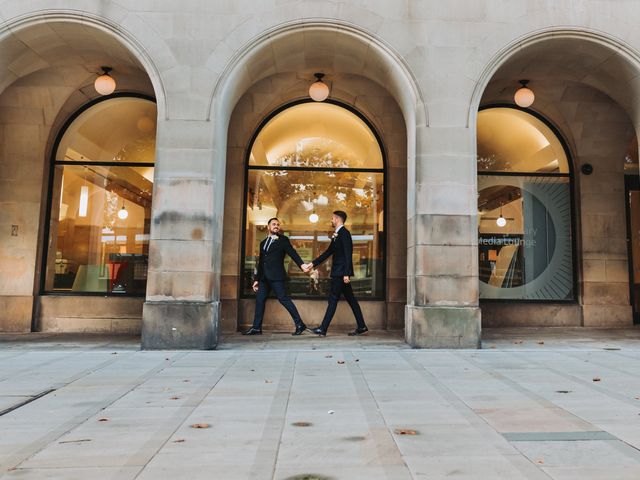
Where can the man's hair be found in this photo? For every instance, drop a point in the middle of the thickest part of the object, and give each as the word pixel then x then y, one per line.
pixel 342 215
pixel 272 219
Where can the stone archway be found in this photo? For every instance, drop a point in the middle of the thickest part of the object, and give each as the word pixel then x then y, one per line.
pixel 363 71
pixel 49 63
pixel 587 84
pixel 352 52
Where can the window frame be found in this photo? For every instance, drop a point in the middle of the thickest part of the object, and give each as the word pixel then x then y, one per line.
pixel 53 163
pixel 248 168
pixel 574 300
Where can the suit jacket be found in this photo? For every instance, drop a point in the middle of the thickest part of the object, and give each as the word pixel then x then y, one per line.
pixel 341 247
pixel 271 263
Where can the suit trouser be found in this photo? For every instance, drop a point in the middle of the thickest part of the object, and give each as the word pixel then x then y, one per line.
pixel 264 288
pixel 338 288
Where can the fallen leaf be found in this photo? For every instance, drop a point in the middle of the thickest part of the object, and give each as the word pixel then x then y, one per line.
pixel 166 359
pixel 540 461
pixel 596 379
pixel 357 360
pixel 301 424
pixel 405 431
pixel 268 381
pixel 563 391
pixel 103 419
pixel 180 440
pixel 174 398
pixel 200 425
pixel 114 353
pixel 340 362
pixel 540 342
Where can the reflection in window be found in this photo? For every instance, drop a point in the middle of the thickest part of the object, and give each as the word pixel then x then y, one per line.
pixel 101 201
pixel 525 244
pixel 302 191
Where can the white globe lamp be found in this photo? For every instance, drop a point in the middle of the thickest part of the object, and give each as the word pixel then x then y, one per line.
pixel 319 91
pixel 105 84
pixel 524 96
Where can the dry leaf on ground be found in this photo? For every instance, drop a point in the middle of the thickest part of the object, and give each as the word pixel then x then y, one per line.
pixel 405 431
pixel 200 425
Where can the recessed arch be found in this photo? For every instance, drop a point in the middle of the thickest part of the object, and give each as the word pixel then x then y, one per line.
pixel 612 47
pixel 10 29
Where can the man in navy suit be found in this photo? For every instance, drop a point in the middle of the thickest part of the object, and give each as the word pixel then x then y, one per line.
pixel 341 247
pixel 271 276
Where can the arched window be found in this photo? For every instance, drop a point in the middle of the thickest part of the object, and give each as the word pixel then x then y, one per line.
pixel 100 199
pixel 524 208
pixel 306 161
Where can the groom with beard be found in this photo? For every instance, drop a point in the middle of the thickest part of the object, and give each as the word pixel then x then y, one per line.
pixel 271 276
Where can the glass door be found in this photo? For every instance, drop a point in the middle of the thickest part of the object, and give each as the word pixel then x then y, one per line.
pixel 633 239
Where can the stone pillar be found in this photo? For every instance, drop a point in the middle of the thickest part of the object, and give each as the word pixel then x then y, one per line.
pixel 442 259
pixel 182 304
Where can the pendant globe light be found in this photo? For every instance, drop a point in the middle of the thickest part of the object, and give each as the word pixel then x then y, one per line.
pixel 524 96
pixel 319 91
pixel 122 213
pixel 105 84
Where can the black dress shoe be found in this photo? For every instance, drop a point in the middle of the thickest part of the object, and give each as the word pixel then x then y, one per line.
pixel 319 331
pixel 358 331
pixel 253 331
pixel 299 329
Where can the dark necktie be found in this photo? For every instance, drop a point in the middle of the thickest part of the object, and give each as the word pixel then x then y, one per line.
pixel 268 244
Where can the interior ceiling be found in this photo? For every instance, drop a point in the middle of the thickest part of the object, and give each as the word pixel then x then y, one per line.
pixel 312 130
pixel 515 141
pixel 118 129
pixel 60 45
pixel 554 65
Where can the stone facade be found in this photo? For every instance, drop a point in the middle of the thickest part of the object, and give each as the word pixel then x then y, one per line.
pixel 419 70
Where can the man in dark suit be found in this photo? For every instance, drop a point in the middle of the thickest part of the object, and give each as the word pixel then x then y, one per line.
pixel 341 247
pixel 271 276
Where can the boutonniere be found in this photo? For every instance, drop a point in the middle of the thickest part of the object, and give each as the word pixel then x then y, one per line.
pixel 334 236
pixel 274 237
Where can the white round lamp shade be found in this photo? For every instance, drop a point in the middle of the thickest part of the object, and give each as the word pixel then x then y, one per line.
pixel 319 91
pixel 501 221
pixel 313 218
pixel 524 97
pixel 105 84
pixel 123 214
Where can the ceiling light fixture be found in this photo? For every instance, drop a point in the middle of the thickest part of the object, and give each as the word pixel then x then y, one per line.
pixel 105 84
pixel 319 91
pixel 313 218
pixel 524 96
pixel 501 221
pixel 122 213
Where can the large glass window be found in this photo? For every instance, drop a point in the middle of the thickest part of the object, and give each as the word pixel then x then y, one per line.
pixel 307 161
pixel 100 208
pixel 524 209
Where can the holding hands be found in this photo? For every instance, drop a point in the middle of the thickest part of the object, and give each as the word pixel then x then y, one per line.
pixel 307 267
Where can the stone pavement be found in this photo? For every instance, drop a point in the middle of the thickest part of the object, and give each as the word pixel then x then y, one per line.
pixel 533 404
